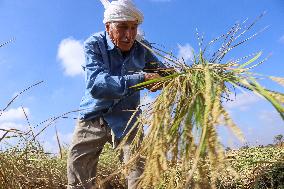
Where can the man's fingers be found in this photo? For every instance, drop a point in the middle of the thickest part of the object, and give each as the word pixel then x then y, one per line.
pixel 154 87
pixel 150 76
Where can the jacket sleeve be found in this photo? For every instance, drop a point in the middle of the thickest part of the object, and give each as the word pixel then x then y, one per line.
pixel 99 82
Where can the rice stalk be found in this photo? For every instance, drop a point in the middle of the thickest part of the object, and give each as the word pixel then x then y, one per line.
pixel 181 123
pixel 7 42
pixel 13 99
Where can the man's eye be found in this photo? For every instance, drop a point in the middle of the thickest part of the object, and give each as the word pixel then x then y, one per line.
pixel 122 27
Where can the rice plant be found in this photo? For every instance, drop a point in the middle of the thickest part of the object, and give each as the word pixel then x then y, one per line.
pixel 182 121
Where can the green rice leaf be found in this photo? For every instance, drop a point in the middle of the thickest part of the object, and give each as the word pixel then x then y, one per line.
pixel 250 61
pixel 152 81
pixel 265 94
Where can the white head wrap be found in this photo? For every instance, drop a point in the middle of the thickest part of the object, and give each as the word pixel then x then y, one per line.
pixel 121 10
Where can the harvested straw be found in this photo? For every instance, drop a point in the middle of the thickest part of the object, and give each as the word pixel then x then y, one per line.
pixel 182 122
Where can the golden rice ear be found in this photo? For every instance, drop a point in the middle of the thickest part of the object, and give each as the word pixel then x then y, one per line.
pixel 277 96
pixel 230 123
pixel 279 80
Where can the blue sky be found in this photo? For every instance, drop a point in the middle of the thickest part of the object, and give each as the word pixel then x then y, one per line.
pixel 48 46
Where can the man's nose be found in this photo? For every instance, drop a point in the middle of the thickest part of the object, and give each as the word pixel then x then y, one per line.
pixel 128 33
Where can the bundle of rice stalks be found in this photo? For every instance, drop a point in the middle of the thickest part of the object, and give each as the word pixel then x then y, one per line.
pixel 182 121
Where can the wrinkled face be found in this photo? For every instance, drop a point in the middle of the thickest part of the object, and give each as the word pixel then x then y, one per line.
pixel 122 34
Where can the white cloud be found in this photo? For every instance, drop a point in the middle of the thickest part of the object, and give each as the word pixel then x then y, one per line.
pixel 11 125
pixel 8 138
pixel 71 55
pixel 185 52
pixel 15 114
pixel 270 118
pixel 51 146
pixel 13 119
pixel 243 101
pixel 63 138
pixel 166 61
pixel 282 39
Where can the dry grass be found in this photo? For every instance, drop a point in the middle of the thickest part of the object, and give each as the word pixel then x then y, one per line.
pixel 31 168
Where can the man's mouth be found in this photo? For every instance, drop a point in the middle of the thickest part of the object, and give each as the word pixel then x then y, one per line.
pixel 126 42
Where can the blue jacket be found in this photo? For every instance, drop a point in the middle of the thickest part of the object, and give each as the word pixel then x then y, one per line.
pixel 109 75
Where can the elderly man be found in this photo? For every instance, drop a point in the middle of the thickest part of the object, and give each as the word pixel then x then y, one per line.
pixel 115 61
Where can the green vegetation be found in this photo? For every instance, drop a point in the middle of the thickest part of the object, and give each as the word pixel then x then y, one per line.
pixel 256 167
pixel 31 167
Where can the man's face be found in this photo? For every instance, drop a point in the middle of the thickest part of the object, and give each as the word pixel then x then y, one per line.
pixel 122 34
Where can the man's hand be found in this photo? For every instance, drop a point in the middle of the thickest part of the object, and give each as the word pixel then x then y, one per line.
pixel 149 76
